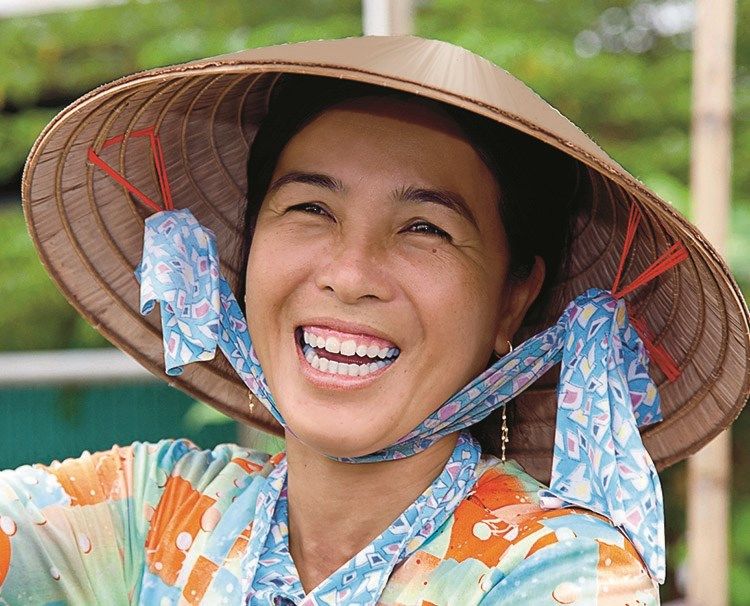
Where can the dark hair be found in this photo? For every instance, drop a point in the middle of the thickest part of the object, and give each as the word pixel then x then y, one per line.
pixel 540 186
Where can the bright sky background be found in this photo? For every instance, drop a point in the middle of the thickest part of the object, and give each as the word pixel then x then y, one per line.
pixel 11 8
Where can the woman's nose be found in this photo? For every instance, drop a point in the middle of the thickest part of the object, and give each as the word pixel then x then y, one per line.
pixel 355 270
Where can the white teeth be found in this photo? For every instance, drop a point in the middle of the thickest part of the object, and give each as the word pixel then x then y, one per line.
pixel 342 368
pixel 332 345
pixel 348 348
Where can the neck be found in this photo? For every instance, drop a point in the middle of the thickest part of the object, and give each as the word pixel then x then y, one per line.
pixel 336 509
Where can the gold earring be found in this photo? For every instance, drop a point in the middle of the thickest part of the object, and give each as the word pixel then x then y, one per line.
pixel 510 350
pixel 504 439
pixel 504 428
pixel 251 399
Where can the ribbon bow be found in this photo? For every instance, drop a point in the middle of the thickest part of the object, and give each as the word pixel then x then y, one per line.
pixel 604 395
pixel 180 270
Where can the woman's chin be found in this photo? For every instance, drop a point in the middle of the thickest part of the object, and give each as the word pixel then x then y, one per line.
pixel 336 439
pixel 340 425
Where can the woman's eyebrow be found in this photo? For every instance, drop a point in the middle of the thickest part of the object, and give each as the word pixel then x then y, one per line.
pixel 318 179
pixel 420 195
pixel 443 197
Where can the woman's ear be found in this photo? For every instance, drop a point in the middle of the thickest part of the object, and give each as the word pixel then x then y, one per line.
pixel 520 294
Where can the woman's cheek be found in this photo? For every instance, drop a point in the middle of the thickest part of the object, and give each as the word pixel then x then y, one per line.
pixel 458 306
pixel 279 257
pixel 447 279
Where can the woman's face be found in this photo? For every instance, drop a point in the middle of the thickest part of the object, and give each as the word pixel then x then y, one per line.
pixel 378 274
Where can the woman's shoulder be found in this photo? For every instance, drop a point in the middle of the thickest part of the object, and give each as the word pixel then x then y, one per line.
pixel 184 455
pixel 115 473
pixel 500 542
pixel 504 510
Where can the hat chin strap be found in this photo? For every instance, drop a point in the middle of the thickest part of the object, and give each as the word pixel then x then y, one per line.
pixel 605 392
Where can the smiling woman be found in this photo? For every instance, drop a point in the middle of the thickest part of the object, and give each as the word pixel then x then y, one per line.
pixel 407 212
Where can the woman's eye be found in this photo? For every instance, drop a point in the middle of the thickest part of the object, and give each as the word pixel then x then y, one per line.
pixel 423 227
pixel 311 208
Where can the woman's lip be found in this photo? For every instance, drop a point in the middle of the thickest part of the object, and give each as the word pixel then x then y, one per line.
pixel 325 380
pixel 349 329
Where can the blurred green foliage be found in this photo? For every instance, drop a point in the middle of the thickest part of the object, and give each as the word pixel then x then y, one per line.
pixel 620 69
pixel 33 313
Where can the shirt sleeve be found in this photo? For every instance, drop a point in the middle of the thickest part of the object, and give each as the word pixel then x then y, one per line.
pixel 75 532
pixel 580 570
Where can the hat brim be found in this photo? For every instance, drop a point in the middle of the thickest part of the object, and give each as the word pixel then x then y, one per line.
pixel 89 231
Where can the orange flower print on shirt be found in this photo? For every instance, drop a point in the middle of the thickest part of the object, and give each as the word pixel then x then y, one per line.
pixel 477 532
pixel 200 578
pixel 240 544
pixel 7 530
pixel 111 479
pixel 180 515
pixel 620 572
pixel 249 466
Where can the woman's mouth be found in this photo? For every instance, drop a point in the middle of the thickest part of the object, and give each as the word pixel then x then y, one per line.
pixel 333 356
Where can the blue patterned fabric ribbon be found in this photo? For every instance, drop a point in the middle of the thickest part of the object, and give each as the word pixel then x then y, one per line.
pixel 604 394
pixel 180 270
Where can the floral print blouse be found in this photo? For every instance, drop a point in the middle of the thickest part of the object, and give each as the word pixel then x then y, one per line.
pixel 169 523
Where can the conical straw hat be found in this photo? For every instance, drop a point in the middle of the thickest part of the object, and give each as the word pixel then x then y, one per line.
pixel 89 231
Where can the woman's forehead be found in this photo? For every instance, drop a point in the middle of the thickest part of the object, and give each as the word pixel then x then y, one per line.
pixel 384 137
pixel 386 115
